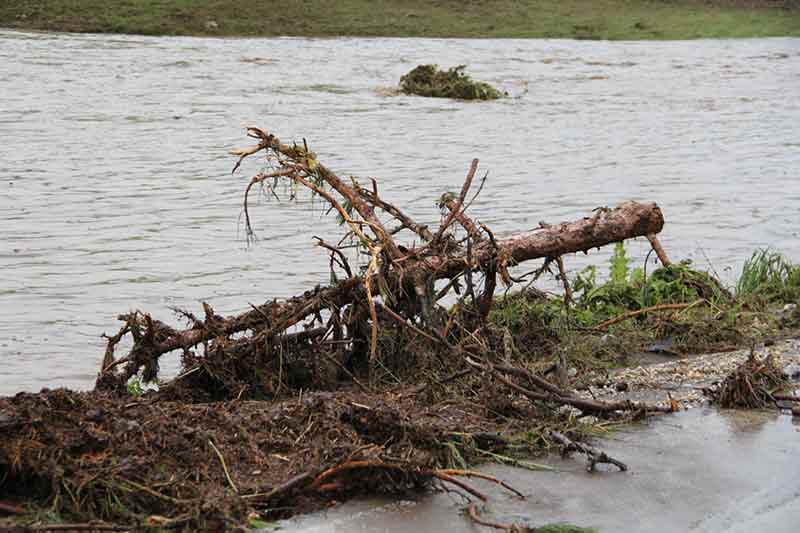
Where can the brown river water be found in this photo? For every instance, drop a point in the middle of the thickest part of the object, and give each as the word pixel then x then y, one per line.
pixel 116 191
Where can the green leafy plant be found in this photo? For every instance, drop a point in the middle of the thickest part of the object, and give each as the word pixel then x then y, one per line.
pixel 619 265
pixel 134 386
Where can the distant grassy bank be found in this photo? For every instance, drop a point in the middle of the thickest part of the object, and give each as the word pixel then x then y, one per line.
pixel 582 19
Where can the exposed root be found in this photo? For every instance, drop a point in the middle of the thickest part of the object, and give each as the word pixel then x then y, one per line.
pixel 480 475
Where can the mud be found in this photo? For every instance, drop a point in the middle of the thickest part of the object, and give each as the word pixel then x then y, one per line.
pixel 703 470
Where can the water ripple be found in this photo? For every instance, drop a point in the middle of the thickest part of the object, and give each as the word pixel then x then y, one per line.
pixel 116 192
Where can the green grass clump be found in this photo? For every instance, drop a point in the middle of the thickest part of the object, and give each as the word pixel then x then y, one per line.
pixel 769 278
pixel 712 319
pixel 428 80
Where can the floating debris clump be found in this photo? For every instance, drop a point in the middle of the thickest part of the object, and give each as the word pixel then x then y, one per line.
pixel 429 80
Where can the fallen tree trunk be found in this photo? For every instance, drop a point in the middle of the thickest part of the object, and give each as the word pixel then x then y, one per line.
pixel 606 226
pixel 629 220
pixel 402 278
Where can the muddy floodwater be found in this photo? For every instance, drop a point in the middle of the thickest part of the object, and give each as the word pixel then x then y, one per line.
pixel 704 471
pixel 116 191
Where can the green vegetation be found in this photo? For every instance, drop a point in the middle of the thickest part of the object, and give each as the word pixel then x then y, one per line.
pixel 599 19
pixel 134 386
pixel 674 308
pixel 768 277
pixel 428 80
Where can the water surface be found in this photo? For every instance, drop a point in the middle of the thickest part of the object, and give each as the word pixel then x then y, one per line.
pixel 116 192
pixel 703 471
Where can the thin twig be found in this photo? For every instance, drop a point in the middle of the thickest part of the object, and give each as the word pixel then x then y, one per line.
pixel 334 250
pixel 472 510
pixel 224 466
pixel 373 264
pixel 479 475
pixel 344 369
pixel 465 221
pixel 354 465
pixel 662 255
pixel 280 489
pixel 464 190
pixel 556 395
pixel 405 220
pixel 400 320
pixel 638 312
pixel 458 483
pixel 562 273
pixel 9 508
pixel 152 492
pixel 259 178
pixel 595 456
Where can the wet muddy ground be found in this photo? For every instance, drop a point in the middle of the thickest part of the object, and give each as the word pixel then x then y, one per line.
pixel 685 377
pixel 703 470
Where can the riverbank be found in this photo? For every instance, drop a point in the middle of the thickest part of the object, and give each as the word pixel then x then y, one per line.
pixel 151 462
pixel 209 448
pixel 572 19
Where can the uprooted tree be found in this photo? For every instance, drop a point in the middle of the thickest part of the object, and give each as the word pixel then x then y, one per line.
pixel 379 336
pixel 279 345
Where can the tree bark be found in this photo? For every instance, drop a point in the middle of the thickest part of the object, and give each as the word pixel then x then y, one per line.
pixel 629 220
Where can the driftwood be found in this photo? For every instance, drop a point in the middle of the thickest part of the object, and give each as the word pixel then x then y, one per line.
pixel 593 455
pixel 398 282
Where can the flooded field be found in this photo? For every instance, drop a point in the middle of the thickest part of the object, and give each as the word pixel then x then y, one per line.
pixel 116 192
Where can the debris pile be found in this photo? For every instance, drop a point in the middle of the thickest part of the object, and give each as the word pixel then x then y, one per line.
pixel 753 385
pixel 429 80
pixel 369 384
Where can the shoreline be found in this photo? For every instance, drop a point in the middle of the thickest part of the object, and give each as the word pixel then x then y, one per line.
pixel 615 20
pixel 35 31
